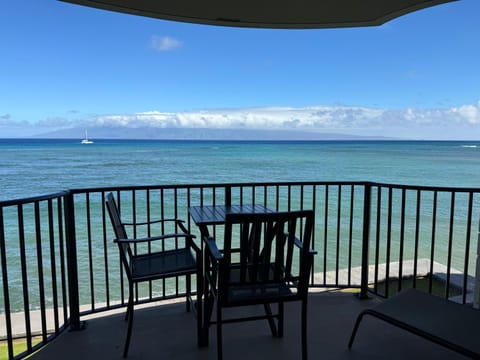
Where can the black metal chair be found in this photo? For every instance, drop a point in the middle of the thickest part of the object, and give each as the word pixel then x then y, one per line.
pixel 442 321
pixel 176 261
pixel 270 263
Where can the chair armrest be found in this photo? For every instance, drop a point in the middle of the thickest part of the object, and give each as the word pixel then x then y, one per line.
pixel 190 236
pixel 153 238
pixel 213 249
pixel 183 228
pixel 178 221
pixel 299 244
pixel 193 245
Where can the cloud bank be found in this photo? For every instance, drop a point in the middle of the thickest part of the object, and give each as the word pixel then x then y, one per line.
pixel 454 123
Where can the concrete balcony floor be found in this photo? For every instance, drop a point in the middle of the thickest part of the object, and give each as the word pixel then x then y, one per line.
pixel 167 331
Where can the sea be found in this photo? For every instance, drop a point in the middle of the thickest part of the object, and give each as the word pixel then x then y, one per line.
pixel 31 167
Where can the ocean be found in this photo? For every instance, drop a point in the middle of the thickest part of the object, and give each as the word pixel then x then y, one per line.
pixel 31 167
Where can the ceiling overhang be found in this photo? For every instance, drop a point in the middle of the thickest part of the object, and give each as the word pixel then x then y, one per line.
pixel 279 14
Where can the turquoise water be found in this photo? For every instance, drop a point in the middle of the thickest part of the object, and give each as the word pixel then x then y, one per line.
pixel 36 167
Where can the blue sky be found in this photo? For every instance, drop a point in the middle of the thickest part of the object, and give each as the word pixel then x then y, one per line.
pixel 65 64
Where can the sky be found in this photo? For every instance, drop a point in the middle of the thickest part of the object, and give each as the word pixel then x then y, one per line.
pixel 64 65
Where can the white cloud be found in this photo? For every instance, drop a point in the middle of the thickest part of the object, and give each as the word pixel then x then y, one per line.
pixel 164 43
pixel 410 122
pixel 321 118
pixel 58 122
pixel 471 113
pixel 411 74
pixel 7 121
pixel 461 122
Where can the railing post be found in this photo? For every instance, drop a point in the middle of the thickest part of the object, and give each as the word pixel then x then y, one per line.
pixel 6 292
pixel 72 265
pixel 476 290
pixel 228 195
pixel 367 204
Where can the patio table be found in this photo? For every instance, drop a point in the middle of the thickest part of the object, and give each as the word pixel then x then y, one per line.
pixel 204 216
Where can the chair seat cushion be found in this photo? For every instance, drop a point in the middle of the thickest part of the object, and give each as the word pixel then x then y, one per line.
pixel 163 264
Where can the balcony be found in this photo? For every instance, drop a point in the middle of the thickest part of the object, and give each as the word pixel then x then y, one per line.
pixel 60 268
pixel 167 331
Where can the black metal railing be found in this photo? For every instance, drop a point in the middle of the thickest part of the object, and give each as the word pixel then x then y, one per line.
pixel 58 261
pixel 424 232
pixel 34 278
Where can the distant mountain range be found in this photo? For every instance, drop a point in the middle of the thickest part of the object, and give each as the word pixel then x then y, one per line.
pixel 155 133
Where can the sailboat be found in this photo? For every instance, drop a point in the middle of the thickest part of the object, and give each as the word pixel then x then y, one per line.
pixel 85 140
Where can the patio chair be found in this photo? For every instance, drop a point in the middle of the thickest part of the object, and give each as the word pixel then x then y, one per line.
pixel 444 322
pixel 268 262
pixel 176 261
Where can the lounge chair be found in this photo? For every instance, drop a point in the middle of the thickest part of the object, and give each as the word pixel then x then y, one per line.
pixel 442 321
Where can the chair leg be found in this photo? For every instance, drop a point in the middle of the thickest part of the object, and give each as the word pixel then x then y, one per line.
pixel 271 322
pixel 130 321
pixel 304 330
pixel 130 301
pixel 199 308
pixel 355 328
pixel 219 333
pixel 207 316
pixel 189 291
pixel 280 319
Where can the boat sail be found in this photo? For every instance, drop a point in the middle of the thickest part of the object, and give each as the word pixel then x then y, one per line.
pixel 85 140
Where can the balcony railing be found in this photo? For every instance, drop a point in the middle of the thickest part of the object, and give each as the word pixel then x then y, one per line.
pixel 58 261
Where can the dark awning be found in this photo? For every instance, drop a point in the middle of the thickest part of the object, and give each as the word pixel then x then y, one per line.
pixel 299 14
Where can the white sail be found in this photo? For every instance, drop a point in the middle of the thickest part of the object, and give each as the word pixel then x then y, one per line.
pixel 85 140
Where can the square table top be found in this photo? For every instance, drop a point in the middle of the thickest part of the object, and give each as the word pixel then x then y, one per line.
pixel 215 214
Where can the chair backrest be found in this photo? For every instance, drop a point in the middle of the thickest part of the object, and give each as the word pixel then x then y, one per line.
pixel 120 233
pixel 271 248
